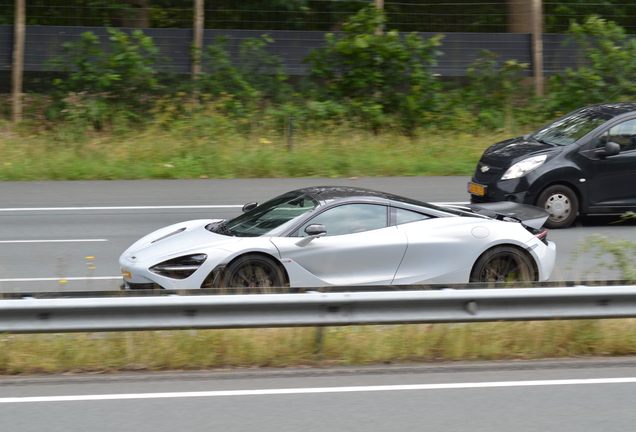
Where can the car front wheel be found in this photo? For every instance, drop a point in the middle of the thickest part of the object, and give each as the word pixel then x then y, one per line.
pixel 562 204
pixel 253 271
pixel 503 264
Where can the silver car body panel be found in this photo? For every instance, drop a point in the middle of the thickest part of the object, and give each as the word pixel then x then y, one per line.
pixel 370 257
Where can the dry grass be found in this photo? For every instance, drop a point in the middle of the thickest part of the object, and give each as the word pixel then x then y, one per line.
pixel 293 347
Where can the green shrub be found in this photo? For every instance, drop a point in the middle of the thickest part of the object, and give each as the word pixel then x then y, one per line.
pixel 363 78
pixel 493 89
pixel 220 76
pixel 262 70
pixel 255 73
pixel 610 73
pixel 377 73
pixel 103 83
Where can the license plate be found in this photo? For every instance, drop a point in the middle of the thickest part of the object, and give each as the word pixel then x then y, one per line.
pixel 476 189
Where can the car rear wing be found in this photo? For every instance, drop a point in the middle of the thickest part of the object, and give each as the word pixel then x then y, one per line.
pixel 528 215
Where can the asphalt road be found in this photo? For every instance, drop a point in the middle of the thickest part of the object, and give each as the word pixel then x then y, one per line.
pixel 67 236
pixel 552 395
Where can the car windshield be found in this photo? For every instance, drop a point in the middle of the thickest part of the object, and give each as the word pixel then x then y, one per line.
pixel 271 217
pixel 567 129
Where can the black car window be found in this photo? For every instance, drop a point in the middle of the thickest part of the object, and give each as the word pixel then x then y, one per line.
pixel 403 216
pixel 349 219
pixel 568 129
pixel 624 134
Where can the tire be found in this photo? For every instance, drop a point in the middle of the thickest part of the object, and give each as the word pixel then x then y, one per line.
pixel 253 271
pixel 562 204
pixel 503 264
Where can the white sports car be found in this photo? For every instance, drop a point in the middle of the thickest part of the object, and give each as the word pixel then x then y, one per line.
pixel 322 236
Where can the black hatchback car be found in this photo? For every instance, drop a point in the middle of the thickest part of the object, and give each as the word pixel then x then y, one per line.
pixel 582 163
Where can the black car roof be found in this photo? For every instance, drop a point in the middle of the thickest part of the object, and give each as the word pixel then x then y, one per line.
pixel 612 109
pixel 331 193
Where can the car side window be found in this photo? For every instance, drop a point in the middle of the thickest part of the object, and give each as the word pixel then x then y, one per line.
pixel 349 219
pixel 623 134
pixel 405 216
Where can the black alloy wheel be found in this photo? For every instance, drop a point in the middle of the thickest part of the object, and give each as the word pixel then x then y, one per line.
pixel 253 271
pixel 562 204
pixel 503 264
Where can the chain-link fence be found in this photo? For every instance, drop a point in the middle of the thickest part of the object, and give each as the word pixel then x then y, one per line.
pixel 482 16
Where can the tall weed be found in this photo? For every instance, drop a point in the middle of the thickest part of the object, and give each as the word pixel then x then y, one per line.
pixel 293 347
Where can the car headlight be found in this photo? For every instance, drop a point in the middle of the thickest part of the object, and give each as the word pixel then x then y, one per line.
pixel 524 167
pixel 179 268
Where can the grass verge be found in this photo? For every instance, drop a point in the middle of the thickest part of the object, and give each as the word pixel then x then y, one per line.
pixel 297 347
pixel 180 153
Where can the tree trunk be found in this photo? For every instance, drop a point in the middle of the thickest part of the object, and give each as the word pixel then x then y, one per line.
pixel 526 16
pixel 138 15
pixel 520 16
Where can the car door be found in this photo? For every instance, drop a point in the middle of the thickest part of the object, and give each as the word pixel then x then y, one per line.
pixel 359 247
pixel 612 178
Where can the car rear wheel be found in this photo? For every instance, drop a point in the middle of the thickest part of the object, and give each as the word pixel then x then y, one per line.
pixel 562 204
pixel 503 264
pixel 253 271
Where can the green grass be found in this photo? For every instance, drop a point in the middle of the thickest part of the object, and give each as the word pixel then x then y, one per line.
pixel 296 347
pixel 154 153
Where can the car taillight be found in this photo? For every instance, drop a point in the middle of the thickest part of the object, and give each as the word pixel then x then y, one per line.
pixel 543 235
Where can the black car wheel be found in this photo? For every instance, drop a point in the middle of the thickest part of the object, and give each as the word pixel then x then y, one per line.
pixel 253 271
pixel 503 264
pixel 562 204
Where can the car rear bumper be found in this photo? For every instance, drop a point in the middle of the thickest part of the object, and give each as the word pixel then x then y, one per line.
pixel 546 257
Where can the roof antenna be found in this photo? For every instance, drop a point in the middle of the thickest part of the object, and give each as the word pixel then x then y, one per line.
pixel 614 94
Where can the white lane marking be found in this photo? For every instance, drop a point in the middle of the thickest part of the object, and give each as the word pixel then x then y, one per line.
pixel 118 208
pixel 53 241
pixel 61 279
pixel 291 391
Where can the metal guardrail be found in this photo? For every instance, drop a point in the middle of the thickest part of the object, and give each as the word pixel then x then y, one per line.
pixel 31 315
pixel 160 292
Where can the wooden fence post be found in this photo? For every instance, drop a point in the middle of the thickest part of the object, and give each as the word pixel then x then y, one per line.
pixel 537 46
pixel 17 65
pixel 379 5
pixel 197 43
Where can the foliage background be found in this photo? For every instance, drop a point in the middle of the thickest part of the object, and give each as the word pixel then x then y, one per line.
pixel 324 15
pixel 113 113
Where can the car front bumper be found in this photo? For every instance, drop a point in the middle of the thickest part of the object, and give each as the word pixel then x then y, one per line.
pixel 515 190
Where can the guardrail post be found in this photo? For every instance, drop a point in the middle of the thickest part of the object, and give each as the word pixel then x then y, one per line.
pixel 318 343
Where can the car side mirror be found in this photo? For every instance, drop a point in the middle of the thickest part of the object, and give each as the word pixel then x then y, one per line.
pixel 611 148
pixel 313 231
pixel 317 230
pixel 249 206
